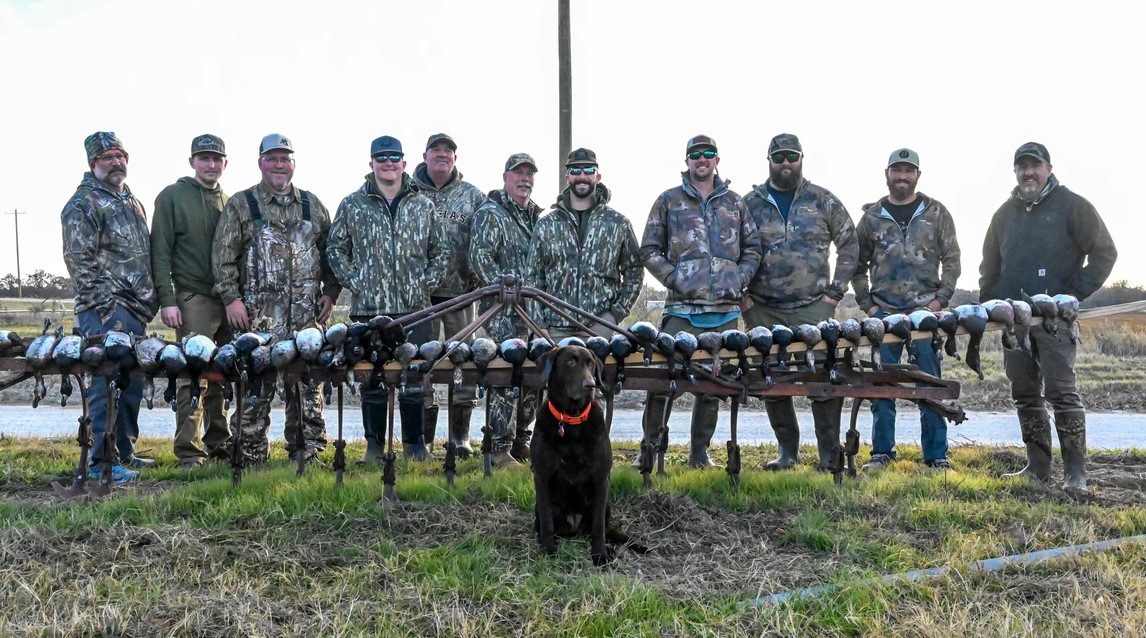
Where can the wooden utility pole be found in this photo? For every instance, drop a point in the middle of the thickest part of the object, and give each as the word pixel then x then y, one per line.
pixel 19 280
pixel 565 90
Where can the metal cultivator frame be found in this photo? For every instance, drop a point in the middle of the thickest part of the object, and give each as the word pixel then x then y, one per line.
pixel 636 372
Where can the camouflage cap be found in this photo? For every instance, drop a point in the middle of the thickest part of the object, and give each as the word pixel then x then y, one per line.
pixel 517 159
pixel 1035 150
pixel 207 143
pixel 441 137
pixel 275 142
pixel 581 157
pixel 903 156
pixel 99 142
pixel 785 142
pixel 699 141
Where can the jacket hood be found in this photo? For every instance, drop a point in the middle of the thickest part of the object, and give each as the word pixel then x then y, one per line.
pixel 191 181
pixel 370 187
pixel 422 178
pixel 719 184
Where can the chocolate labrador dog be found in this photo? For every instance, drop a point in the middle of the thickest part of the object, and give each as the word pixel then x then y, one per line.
pixel 572 456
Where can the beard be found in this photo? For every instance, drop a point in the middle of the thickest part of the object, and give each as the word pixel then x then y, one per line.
pixel 901 190
pixel 583 189
pixel 783 182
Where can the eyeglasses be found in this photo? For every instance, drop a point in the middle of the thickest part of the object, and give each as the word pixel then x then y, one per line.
pixel 275 161
pixel 695 155
pixel 112 157
pixel 791 156
pixel 393 157
pixel 577 170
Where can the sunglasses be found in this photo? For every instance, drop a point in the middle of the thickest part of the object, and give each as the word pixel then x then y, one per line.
pixel 393 157
pixel 695 155
pixel 577 170
pixel 791 156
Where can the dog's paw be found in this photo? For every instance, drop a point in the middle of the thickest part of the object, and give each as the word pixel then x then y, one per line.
pixel 549 549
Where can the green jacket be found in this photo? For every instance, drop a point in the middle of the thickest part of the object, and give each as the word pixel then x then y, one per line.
pixel 389 259
pixel 454 205
pixel 502 232
pixel 796 270
pixel 899 270
pixel 596 267
pixel 108 252
pixel 182 230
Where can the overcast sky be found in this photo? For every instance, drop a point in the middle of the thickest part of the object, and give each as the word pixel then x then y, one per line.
pixel 964 84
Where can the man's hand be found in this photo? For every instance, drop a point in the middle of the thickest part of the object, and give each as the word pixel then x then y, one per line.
pixel 171 317
pixel 871 311
pixel 325 306
pixel 934 305
pixel 831 302
pixel 237 315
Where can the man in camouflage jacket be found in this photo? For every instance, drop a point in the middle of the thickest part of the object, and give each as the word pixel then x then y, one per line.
pixel 455 202
pixel 701 243
pixel 799 223
pixel 502 231
pixel 107 250
pixel 387 249
pixel 584 252
pixel 272 275
pixel 904 239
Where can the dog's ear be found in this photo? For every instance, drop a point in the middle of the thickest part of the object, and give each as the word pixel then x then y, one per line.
pixel 545 362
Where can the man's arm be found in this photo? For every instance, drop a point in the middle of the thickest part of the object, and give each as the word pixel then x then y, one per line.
pixel 847 249
pixel 654 244
pixel 228 246
pixel 751 252
pixel 440 254
pixel 330 286
pixel 632 274
pixel 162 245
pixel 861 284
pixel 1092 236
pixel 992 264
pixel 950 257
pixel 340 247
pixel 484 242
pixel 81 239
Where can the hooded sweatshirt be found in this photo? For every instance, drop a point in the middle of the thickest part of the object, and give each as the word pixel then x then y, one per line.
pixel 454 206
pixel 182 229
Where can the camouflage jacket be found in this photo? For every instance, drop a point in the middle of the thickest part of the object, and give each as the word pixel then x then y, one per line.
pixel 795 271
pixel 704 251
pixel 107 250
pixel 502 232
pixel 596 267
pixel 899 268
pixel 277 267
pixel 455 204
pixel 389 259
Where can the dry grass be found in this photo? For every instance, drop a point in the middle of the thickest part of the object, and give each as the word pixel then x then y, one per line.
pixel 185 554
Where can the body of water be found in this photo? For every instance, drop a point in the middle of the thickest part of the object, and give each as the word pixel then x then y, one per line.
pixel 1104 430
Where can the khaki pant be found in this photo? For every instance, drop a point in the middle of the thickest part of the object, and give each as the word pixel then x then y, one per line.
pixel 760 315
pixel 1048 376
pixel 202 315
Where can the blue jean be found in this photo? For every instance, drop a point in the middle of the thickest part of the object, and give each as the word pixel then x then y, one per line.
pixel 933 428
pixel 127 409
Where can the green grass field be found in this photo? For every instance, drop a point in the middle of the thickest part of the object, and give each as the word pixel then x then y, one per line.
pixel 184 553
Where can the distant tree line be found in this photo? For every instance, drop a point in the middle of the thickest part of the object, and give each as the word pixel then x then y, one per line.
pixel 38 285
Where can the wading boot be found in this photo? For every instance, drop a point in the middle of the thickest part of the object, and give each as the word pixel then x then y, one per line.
pixel 430 426
pixel 503 458
pixel 1035 426
pixel 1071 426
pixel 520 449
pixel 413 443
pixel 373 419
pixel 704 416
pixel 459 417
pixel 782 418
pixel 826 418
